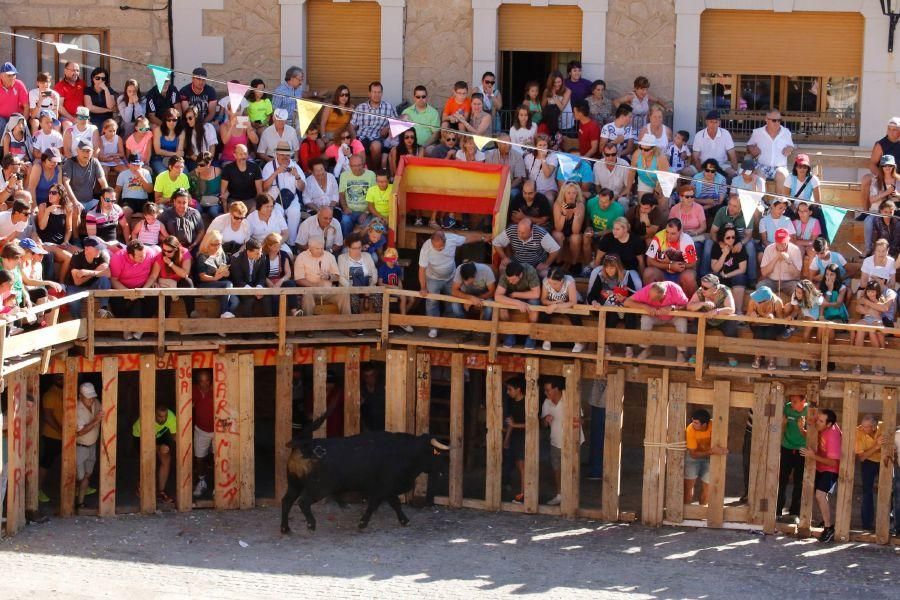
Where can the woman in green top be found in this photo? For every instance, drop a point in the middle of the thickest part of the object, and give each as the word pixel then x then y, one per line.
pixel 206 184
pixel 259 107
pixel 171 180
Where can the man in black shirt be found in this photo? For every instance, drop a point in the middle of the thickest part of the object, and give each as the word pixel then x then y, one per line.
pixel 183 221
pixel 530 204
pixel 200 95
pixel 514 430
pixel 371 396
pixel 89 270
pixel 158 102
pixel 241 180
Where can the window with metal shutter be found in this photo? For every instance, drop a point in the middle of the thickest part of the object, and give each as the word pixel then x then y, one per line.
pixel 343 45
pixel 769 43
pixel 539 28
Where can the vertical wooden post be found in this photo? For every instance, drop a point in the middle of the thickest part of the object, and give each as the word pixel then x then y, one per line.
pixel 677 410
pixel 109 439
pixel 849 416
pixel 148 433
pixel 457 409
pixel 773 454
pixel 495 324
pixel 16 399
pixel 184 414
pixel 69 427
pixel 494 443
pixel 351 392
pixel 161 324
pixel 701 348
pixel 284 387
pixel 320 400
pixel 883 501
pixel 612 444
pixel 600 367
pixel 395 391
pixel 246 431
pixel 423 410
pixel 282 322
pixel 570 480
pixel 715 513
pixel 809 468
pixel 654 438
pixel 532 434
pixel 32 426
pixel 411 364
pixel 759 443
pixel 385 316
pixel 91 316
pixel 227 438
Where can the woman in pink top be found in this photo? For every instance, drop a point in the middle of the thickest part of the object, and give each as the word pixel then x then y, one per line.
pixel 691 214
pixel 233 133
pixel 807 228
pixel 141 141
pixel 828 461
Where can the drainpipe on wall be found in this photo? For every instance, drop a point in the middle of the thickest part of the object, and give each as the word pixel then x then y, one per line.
pixel 169 26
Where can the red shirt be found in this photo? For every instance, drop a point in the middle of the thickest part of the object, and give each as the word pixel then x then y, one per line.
pixel 587 133
pixel 72 94
pixel 203 409
pixel 14 99
pixel 309 150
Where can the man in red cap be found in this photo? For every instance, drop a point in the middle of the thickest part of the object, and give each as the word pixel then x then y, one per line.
pixel 781 263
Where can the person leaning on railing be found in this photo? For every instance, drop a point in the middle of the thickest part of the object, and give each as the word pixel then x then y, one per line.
pixel 764 303
pixel 558 291
pixel 357 269
pixel 247 272
pixel 713 299
pixel 609 285
pixel 279 274
pixel 213 271
pixel 129 270
pixel 171 269
pixel 315 268
pixel 659 299
pixel 519 288
pixel 89 270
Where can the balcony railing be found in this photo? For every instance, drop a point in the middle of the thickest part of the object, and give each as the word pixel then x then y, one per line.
pixel 831 127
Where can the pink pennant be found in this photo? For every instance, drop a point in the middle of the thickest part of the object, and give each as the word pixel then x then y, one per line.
pixel 236 93
pixel 398 127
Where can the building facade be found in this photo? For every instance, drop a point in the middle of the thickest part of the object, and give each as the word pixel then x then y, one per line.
pixel 824 62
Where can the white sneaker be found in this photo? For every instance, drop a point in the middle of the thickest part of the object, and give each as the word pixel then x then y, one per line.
pixel 547 345
pixel 407 328
pixel 138 335
pixel 578 347
pixel 200 488
pixel 227 315
pixel 295 312
pixel 126 335
pixel 432 333
pixel 103 314
pixel 554 501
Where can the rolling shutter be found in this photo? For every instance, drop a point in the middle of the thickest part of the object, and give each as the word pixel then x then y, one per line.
pixel 768 43
pixel 343 45
pixel 539 28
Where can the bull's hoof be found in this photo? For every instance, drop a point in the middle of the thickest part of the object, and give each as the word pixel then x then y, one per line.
pixel 285 529
pixel 404 521
pixel 363 524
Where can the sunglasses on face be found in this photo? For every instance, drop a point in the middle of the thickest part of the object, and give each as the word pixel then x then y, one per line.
pixel 646 149
pixel 710 170
pixel 99 78
pixel 409 137
pixel 53 193
pixel 489 82
pixel 170 120
pixel 773 120
pixel 82 118
pixel 107 199
pixel 421 97
pixel 344 94
pixel 609 154
pixel 143 129
pixel 705 288
pixel 729 237
pixel 451 139
pixel 237 218
pixel 691 196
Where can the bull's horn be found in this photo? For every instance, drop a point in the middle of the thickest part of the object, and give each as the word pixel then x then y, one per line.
pixel 439 445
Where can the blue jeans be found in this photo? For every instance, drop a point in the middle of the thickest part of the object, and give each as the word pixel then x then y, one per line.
pixel 869 477
pixel 101 283
pixel 598 430
pixel 292 301
pixel 349 221
pixel 749 248
pixel 213 211
pixel 227 303
pixel 433 307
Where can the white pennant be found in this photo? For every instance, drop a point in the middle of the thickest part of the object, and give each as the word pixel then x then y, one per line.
pixel 397 126
pixel 62 47
pixel 749 203
pixel 481 141
pixel 666 182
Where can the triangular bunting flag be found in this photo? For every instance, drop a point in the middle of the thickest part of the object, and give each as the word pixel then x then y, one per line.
pixel 749 204
pixel 567 164
pixel 62 47
pixel 306 112
pixel 397 126
pixel 667 182
pixel 481 141
pixel 236 92
pixel 160 75
pixel 833 217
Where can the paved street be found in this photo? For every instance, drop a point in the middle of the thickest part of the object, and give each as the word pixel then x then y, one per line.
pixel 442 554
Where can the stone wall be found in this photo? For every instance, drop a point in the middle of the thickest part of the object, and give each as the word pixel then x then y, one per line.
pixel 438 47
pixel 640 40
pixel 251 32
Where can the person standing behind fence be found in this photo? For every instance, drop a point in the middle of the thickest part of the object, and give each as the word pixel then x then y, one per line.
pixel 514 430
pixel 166 428
pixel 828 459
pixel 698 449
pixel 87 434
pixel 552 412
pixel 868 450
pixel 793 441
pixel 203 429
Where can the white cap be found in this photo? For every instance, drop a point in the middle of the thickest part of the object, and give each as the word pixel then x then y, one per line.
pixel 647 140
pixel 894 122
pixel 281 114
pixel 87 390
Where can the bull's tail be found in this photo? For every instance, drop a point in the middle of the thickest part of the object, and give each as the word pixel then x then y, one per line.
pixel 305 434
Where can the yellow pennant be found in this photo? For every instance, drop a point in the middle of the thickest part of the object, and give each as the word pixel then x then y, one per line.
pixel 306 112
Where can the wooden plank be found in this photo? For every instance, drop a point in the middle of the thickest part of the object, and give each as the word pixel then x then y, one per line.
pixel 494 442
pixel 570 480
pixel 759 442
pixel 320 394
pixel 246 431
pixel 52 319
pixel 160 325
pixel 32 435
pixel 109 442
pixel 91 317
pixel 184 413
pixel 282 323
pixel 600 367
pixel 612 445
pixel 457 409
pixel 492 344
pixel 16 407
pixel 823 359
pixel 849 418
pixel 411 363
pixel 654 437
pixel 423 412
pixel 148 433
pixel 385 317
pixel 718 462
pixel 69 427
pixel 807 499
pixel 351 392
pixel 883 500
pixel 677 416
pixel 531 486
pixel 227 438
pixel 395 391
pixel 284 383
pixel 773 455
pixel 701 348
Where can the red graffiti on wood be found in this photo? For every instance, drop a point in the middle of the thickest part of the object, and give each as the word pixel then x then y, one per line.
pixel 108 495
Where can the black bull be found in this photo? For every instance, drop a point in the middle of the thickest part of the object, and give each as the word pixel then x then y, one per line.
pixel 379 465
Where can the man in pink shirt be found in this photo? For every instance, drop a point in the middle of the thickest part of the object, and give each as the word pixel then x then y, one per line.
pixel 828 460
pixel 13 95
pixel 129 269
pixel 659 300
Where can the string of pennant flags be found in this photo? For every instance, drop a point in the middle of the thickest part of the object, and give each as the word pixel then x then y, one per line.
pixel 751 201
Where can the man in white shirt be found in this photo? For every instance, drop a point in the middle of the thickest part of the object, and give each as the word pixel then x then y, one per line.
pixel 612 173
pixel 284 179
pixel 87 433
pixel 781 264
pixel 322 224
pixel 279 131
pixel 770 146
pixel 715 142
pixel 552 416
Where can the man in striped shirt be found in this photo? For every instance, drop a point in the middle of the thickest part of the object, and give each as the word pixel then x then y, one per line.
pixel 370 121
pixel 528 244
